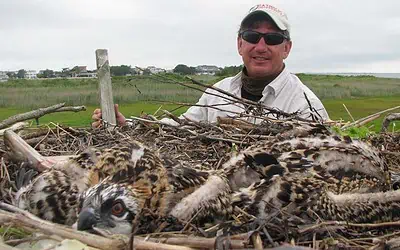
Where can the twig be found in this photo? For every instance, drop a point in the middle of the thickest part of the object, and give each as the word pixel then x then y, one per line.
pixel 347 224
pixel 372 118
pixel 227 96
pixel 348 112
pixel 367 117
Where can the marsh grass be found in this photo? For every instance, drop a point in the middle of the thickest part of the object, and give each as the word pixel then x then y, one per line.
pixel 341 87
pixel 363 95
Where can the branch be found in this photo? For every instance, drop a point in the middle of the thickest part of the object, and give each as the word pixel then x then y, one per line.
pixel 30 115
pixel 35 114
pixel 71 109
pixel 367 117
pixel 24 218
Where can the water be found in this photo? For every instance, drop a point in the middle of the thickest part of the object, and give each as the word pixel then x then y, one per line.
pixel 380 75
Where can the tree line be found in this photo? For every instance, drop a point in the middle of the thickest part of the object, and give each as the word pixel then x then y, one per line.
pixel 123 70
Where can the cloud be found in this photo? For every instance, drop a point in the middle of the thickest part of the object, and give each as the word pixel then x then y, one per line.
pixel 328 36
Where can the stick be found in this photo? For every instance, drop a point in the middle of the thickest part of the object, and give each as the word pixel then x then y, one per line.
pixel 30 115
pixel 370 119
pixel 71 109
pixel 389 118
pixel 348 112
pixel 196 242
pixel 347 224
pixel 367 117
pixel 26 219
pixel 106 97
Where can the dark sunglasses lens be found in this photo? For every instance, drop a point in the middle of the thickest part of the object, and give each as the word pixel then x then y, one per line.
pixel 251 37
pixel 273 39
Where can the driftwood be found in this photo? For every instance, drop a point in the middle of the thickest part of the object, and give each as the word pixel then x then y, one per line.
pixel 389 118
pixel 35 114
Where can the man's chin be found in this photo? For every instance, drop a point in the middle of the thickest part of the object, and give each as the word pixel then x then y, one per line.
pixel 259 71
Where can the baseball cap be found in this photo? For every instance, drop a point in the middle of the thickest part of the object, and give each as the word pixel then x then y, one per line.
pixel 278 16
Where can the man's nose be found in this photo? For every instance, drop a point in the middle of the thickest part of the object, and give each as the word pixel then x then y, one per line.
pixel 261 45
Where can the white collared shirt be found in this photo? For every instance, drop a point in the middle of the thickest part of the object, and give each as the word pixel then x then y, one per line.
pixel 285 93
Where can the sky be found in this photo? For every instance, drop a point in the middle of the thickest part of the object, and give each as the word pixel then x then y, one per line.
pixel 328 35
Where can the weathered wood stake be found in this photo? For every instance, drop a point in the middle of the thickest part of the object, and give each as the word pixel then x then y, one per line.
pixel 104 76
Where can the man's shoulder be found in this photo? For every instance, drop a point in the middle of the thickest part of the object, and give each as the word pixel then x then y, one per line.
pixel 295 82
pixel 227 82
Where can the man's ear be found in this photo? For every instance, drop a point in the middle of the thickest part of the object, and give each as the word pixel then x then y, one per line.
pixel 287 48
pixel 239 45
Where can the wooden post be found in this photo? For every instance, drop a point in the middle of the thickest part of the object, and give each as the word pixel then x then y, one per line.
pixel 104 76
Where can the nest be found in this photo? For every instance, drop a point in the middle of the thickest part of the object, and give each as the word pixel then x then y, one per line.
pixel 205 146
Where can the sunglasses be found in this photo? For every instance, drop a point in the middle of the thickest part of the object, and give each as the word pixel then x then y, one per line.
pixel 254 37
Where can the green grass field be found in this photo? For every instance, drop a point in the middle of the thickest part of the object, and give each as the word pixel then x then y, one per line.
pixel 363 95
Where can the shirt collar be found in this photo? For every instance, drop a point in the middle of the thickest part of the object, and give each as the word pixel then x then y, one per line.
pixel 276 86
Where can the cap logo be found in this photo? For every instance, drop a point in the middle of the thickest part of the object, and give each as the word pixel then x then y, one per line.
pixel 268 7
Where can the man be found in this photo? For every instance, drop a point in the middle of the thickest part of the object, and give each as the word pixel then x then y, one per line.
pixel 264 43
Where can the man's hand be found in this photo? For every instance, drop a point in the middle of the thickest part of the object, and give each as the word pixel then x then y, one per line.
pixel 96 117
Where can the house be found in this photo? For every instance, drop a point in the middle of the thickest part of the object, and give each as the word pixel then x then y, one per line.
pixel 207 70
pixel 89 73
pixel 3 76
pixel 30 74
pixel 155 70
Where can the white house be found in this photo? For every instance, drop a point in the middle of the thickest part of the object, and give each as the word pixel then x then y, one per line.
pixel 155 70
pixel 31 74
pixel 3 76
pixel 207 70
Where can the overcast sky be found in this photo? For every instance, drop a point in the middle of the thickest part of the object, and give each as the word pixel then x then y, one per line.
pixel 328 36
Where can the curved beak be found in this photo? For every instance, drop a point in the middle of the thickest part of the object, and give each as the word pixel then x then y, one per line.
pixel 86 219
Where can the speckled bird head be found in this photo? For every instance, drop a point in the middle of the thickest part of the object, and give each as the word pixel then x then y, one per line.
pixel 109 207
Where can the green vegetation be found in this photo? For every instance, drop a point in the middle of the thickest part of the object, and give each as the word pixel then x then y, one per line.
pixel 339 87
pixel 361 107
pixel 362 95
pixel 12 233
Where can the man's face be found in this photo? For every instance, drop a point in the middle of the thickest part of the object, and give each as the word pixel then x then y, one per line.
pixel 262 60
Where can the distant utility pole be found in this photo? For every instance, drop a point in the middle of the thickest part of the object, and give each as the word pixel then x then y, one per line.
pixel 105 88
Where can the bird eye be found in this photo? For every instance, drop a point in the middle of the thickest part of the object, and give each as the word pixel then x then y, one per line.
pixel 118 209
